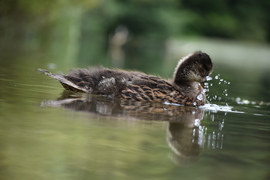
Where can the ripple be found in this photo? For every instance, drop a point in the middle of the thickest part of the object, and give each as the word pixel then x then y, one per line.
pixel 246 101
pixel 216 108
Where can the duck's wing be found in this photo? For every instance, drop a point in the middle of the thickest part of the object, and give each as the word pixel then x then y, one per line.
pixel 67 84
pixel 149 88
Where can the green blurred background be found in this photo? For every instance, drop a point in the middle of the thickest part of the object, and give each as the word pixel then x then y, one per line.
pixel 127 33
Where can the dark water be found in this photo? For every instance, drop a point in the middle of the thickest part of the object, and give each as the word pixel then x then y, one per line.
pixel 45 135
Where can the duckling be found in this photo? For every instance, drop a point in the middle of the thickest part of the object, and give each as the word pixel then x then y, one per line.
pixel 186 87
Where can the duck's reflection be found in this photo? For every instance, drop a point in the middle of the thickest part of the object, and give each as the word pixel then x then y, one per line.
pixel 186 142
pixel 107 106
pixel 185 134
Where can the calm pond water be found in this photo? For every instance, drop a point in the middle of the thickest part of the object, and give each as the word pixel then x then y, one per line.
pixel 45 135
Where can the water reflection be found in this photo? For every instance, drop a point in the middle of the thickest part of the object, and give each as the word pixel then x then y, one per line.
pixel 186 136
pixel 186 142
pixel 109 106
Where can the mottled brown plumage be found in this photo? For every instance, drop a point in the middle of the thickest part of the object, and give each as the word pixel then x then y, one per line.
pixel 132 85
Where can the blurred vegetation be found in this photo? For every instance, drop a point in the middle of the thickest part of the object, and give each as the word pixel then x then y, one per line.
pixel 81 29
pixel 241 19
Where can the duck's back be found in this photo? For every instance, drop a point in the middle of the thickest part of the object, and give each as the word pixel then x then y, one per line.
pixel 119 83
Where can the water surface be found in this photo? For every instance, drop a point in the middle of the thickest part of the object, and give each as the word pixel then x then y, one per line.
pixel 46 135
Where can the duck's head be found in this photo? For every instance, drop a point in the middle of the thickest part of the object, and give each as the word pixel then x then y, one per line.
pixel 191 72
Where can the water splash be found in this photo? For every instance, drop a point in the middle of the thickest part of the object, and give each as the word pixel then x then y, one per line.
pixel 216 81
pixel 220 93
pixel 216 108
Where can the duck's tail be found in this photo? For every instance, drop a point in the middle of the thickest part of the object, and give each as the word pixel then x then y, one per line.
pixel 65 82
pixel 46 72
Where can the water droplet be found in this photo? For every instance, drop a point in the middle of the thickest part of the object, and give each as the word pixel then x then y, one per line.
pixel 200 97
pixel 208 78
pixel 197 122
